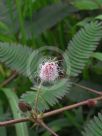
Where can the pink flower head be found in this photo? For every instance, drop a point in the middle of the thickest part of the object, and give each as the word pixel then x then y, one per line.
pixel 49 71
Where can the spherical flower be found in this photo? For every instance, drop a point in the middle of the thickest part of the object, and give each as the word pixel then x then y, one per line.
pixel 49 71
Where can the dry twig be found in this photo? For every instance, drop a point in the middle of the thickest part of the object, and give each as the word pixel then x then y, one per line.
pixel 9 79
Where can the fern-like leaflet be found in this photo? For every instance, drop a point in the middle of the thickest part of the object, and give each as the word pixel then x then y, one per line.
pixel 82 45
pixel 94 127
pixel 49 96
pixel 16 57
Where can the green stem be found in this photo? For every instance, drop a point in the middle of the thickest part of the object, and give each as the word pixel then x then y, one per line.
pixel 37 97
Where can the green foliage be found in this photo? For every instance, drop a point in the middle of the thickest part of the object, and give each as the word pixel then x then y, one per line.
pixel 97 55
pixel 8 17
pixel 82 46
pixel 30 23
pixel 21 129
pixel 16 57
pixel 49 96
pixel 99 17
pixel 2 129
pixel 88 4
pixel 47 17
pixel 21 20
pixel 94 127
pixel 56 125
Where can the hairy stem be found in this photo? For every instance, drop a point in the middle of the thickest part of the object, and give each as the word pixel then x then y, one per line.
pixel 70 107
pixel 12 122
pixel 51 113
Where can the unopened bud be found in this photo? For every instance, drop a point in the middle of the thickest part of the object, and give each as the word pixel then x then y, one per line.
pixel 24 107
pixel 91 103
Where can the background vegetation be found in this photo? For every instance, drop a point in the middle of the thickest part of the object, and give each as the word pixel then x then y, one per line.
pixel 37 23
